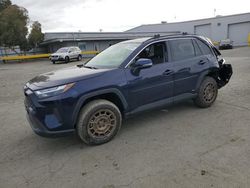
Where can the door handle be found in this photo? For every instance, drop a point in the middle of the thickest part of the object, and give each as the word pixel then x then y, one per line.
pixel 168 72
pixel 202 62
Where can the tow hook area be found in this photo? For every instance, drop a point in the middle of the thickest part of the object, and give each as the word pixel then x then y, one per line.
pixel 225 73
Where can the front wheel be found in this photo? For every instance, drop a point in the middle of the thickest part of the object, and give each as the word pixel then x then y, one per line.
pixel 207 93
pixel 98 122
pixel 67 59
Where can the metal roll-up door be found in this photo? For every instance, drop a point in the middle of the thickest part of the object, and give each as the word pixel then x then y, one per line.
pixel 203 30
pixel 238 33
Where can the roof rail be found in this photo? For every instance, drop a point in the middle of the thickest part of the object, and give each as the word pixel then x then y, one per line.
pixel 157 36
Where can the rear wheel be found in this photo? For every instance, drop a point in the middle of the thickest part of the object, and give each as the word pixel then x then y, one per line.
pixel 67 59
pixel 207 93
pixel 53 62
pixel 99 121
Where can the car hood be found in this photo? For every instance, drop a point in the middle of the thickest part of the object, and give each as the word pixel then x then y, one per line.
pixel 63 76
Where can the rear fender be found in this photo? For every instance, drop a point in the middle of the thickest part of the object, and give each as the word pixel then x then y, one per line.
pixel 213 71
pixel 221 74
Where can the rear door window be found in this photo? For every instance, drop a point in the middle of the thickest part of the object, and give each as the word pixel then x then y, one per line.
pixel 197 49
pixel 181 49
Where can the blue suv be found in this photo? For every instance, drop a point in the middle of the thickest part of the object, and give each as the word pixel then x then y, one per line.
pixel 127 78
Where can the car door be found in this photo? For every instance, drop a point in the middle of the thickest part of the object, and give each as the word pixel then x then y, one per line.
pixel 206 52
pixel 187 65
pixel 72 53
pixel 76 52
pixel 153 84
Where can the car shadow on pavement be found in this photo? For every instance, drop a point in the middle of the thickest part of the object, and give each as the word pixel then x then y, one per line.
pixel 135 123
pixel 138 120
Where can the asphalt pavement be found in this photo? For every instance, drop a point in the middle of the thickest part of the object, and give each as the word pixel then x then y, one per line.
pixel 178 146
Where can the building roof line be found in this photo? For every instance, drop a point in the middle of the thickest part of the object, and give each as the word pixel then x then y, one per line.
pixel 203 19
pixel 103 33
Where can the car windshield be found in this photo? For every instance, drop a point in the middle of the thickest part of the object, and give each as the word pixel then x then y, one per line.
pixel 62 50
pixel 113 56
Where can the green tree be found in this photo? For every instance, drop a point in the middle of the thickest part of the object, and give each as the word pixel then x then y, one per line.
pixel 13 27
pixel 4 4
pixel 36 36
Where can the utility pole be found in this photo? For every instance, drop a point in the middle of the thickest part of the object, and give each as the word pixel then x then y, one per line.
pixel 74 38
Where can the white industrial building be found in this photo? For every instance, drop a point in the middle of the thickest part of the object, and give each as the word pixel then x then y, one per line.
pixel 91 41
pixel 235 27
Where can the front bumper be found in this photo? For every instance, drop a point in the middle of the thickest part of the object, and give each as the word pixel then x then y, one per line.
pixel 40 130
pixel 57 59
pixel 47 118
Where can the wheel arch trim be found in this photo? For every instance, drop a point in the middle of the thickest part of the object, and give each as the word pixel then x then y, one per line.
pixel 83 98
pixel 214 70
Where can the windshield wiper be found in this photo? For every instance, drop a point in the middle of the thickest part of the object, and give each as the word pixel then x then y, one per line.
pixel 86 66
pixel 89 67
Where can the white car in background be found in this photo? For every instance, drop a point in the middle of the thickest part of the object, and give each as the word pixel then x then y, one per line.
pixel 226 44
pixel 66 54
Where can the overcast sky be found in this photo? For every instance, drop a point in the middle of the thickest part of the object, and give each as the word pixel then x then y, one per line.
pixel 121 15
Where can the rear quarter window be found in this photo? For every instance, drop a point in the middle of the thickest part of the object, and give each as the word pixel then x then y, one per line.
pixel 204 48
pixel 181 49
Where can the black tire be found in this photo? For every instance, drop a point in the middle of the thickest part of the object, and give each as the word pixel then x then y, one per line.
pixel 79 58
pixel 98 122
pixel 207 93
pixel 67 59
pixel 53 62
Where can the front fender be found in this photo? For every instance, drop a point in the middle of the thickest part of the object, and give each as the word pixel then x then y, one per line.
pixel 83 98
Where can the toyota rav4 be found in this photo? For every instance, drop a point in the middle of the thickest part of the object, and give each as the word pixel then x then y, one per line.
pixel 127 78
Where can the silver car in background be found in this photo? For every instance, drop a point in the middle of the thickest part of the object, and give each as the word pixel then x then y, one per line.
pixel 66 54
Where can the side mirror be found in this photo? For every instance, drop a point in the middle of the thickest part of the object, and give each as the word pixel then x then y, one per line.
pixel 142 63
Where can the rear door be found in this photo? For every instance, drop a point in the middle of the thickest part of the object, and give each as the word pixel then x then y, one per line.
pixel 206 51
pixel 188 63
pixel 77 52
pixel 71 53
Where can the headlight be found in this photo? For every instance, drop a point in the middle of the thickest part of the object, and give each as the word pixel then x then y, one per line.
pixel 53 90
